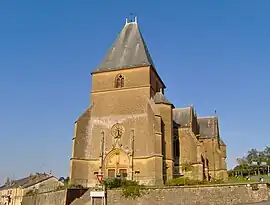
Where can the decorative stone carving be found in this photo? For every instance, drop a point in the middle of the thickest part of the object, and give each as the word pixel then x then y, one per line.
pixel 117 130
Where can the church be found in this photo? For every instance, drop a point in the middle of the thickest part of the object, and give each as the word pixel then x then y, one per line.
pixel 131 130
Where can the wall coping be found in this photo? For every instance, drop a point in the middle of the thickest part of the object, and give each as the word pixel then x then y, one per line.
pixel 200 186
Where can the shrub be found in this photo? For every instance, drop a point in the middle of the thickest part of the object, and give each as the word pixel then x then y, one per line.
pixel 130 189
pixel 112 183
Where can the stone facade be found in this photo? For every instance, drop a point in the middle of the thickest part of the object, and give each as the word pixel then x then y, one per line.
pixel 131 130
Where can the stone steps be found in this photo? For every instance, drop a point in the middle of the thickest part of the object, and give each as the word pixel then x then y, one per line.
pixel 85 199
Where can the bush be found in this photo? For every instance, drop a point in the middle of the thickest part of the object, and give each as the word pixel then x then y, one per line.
pixel 112 183
pixel 130 189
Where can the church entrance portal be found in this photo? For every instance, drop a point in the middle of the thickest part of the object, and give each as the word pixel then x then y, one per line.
pixel 112 173
pixel 117 164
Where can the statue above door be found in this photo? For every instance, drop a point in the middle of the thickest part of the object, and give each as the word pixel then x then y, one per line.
pixel 117 130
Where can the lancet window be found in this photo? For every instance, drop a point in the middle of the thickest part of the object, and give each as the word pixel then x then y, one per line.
pixel 120 81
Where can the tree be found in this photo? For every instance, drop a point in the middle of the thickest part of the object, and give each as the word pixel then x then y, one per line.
pixel 8 182
pixel 242 161
pixel 267 155
pixel 245 165
pixel 252 156
pixel 66 180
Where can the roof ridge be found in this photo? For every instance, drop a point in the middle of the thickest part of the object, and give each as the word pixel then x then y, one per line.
pixel 182 108
pixel 205 117
pixel 159 97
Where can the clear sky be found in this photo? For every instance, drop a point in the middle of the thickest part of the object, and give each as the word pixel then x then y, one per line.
pixel 213 54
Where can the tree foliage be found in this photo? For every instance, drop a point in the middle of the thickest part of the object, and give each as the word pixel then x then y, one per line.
pixel 8 182
pixel 259 156
pixel 255 161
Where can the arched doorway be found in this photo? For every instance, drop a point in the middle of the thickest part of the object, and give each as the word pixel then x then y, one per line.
pixel 116 164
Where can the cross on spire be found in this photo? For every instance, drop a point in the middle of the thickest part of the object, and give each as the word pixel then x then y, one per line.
pixel 131 18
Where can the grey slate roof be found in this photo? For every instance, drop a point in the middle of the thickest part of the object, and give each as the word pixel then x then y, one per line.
pixel 2 187
pixel 160 98
pixel 129 50
pixel 27 181
pixel 208 126
pixel 181 116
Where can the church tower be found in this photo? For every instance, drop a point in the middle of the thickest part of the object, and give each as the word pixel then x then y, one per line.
pixel 122 134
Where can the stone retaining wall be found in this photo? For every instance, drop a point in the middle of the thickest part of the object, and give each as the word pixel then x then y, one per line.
pixel 202 195
pixel 61 197
pixel 199 195
pixel 48 198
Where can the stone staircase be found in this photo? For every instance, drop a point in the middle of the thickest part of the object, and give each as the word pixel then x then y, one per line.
pixel 86 200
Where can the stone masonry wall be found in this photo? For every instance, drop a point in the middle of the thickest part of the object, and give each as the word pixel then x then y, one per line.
pixel 48 198
pixel 201 195
pixel 61 197
pixel 235 194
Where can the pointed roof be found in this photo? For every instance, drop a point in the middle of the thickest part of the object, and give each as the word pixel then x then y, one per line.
pixel 208 126
pixel 159 98
pixel 182 116
pixel 128 51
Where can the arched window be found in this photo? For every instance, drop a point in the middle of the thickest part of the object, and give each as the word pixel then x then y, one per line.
pixel 120 81
pixel 176 147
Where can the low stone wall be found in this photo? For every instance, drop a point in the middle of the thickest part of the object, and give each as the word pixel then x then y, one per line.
pixel 61 197
pixel 202 195
pixel 47 198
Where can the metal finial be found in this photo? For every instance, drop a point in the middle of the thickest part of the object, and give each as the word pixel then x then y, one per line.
pixel 131 18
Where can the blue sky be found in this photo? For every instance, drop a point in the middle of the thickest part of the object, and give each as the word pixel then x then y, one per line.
pixel 213 54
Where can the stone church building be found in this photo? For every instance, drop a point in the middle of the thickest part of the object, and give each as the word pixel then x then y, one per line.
pixel 131 130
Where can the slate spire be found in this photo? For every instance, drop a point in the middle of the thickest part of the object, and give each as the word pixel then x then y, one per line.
pixel 128 51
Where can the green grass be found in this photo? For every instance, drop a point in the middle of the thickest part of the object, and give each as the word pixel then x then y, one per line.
pixel 244 180
pixel 181 181
pixel 239 180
